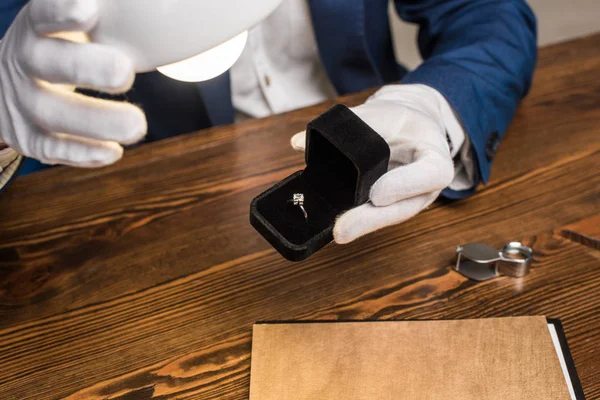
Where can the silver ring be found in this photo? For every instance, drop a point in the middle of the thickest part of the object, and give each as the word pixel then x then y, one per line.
pixel 298 200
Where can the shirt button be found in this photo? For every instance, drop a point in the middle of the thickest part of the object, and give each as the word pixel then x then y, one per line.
pixel 267 80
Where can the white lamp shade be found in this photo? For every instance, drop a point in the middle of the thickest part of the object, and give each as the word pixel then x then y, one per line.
pixel 159 33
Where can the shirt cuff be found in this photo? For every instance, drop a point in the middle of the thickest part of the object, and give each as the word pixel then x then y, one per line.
pixel 460 148
pixel 10 163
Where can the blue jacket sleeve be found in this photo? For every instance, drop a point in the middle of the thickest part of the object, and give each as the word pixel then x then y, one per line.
pixel 480 54
pixel 8 11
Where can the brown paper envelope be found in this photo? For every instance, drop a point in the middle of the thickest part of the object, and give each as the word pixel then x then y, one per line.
pixel 487 359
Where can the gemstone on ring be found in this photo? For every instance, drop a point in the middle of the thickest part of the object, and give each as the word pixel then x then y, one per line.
pixel 298 200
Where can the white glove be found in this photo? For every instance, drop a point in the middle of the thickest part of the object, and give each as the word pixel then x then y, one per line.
pixel 411 120
pixel 40 115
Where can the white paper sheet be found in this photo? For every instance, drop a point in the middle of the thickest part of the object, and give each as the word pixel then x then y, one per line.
pixel 561 357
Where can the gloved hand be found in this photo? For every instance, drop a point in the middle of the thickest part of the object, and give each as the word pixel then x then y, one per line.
pixel 411 120
pixel 40 115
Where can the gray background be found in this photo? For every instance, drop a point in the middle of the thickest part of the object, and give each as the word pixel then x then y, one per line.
pixel 558 20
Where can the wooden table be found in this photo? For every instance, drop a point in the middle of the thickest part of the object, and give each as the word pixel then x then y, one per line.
pixel 143 280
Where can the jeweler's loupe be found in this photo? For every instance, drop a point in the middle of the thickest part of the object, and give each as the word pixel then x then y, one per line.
pixel 481 262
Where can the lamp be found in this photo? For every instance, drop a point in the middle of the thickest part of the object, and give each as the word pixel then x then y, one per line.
pixel 209 64
pixel 188 40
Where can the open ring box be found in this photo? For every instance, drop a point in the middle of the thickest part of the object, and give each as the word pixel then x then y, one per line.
pixel 344 159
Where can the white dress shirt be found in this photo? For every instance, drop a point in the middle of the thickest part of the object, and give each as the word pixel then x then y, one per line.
pixel 280 70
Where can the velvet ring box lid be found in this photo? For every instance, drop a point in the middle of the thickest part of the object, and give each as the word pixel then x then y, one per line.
pixel 344 159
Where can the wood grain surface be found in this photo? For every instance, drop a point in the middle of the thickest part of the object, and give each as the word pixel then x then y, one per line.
pixel 143 280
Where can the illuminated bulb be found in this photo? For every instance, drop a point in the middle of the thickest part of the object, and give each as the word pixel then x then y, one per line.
pixel 209 64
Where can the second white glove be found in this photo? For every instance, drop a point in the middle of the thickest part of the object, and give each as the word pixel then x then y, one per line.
pixel 410 119
pixel 40 115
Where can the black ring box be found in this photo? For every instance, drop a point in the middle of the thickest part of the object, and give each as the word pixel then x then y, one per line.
pixel 344 159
